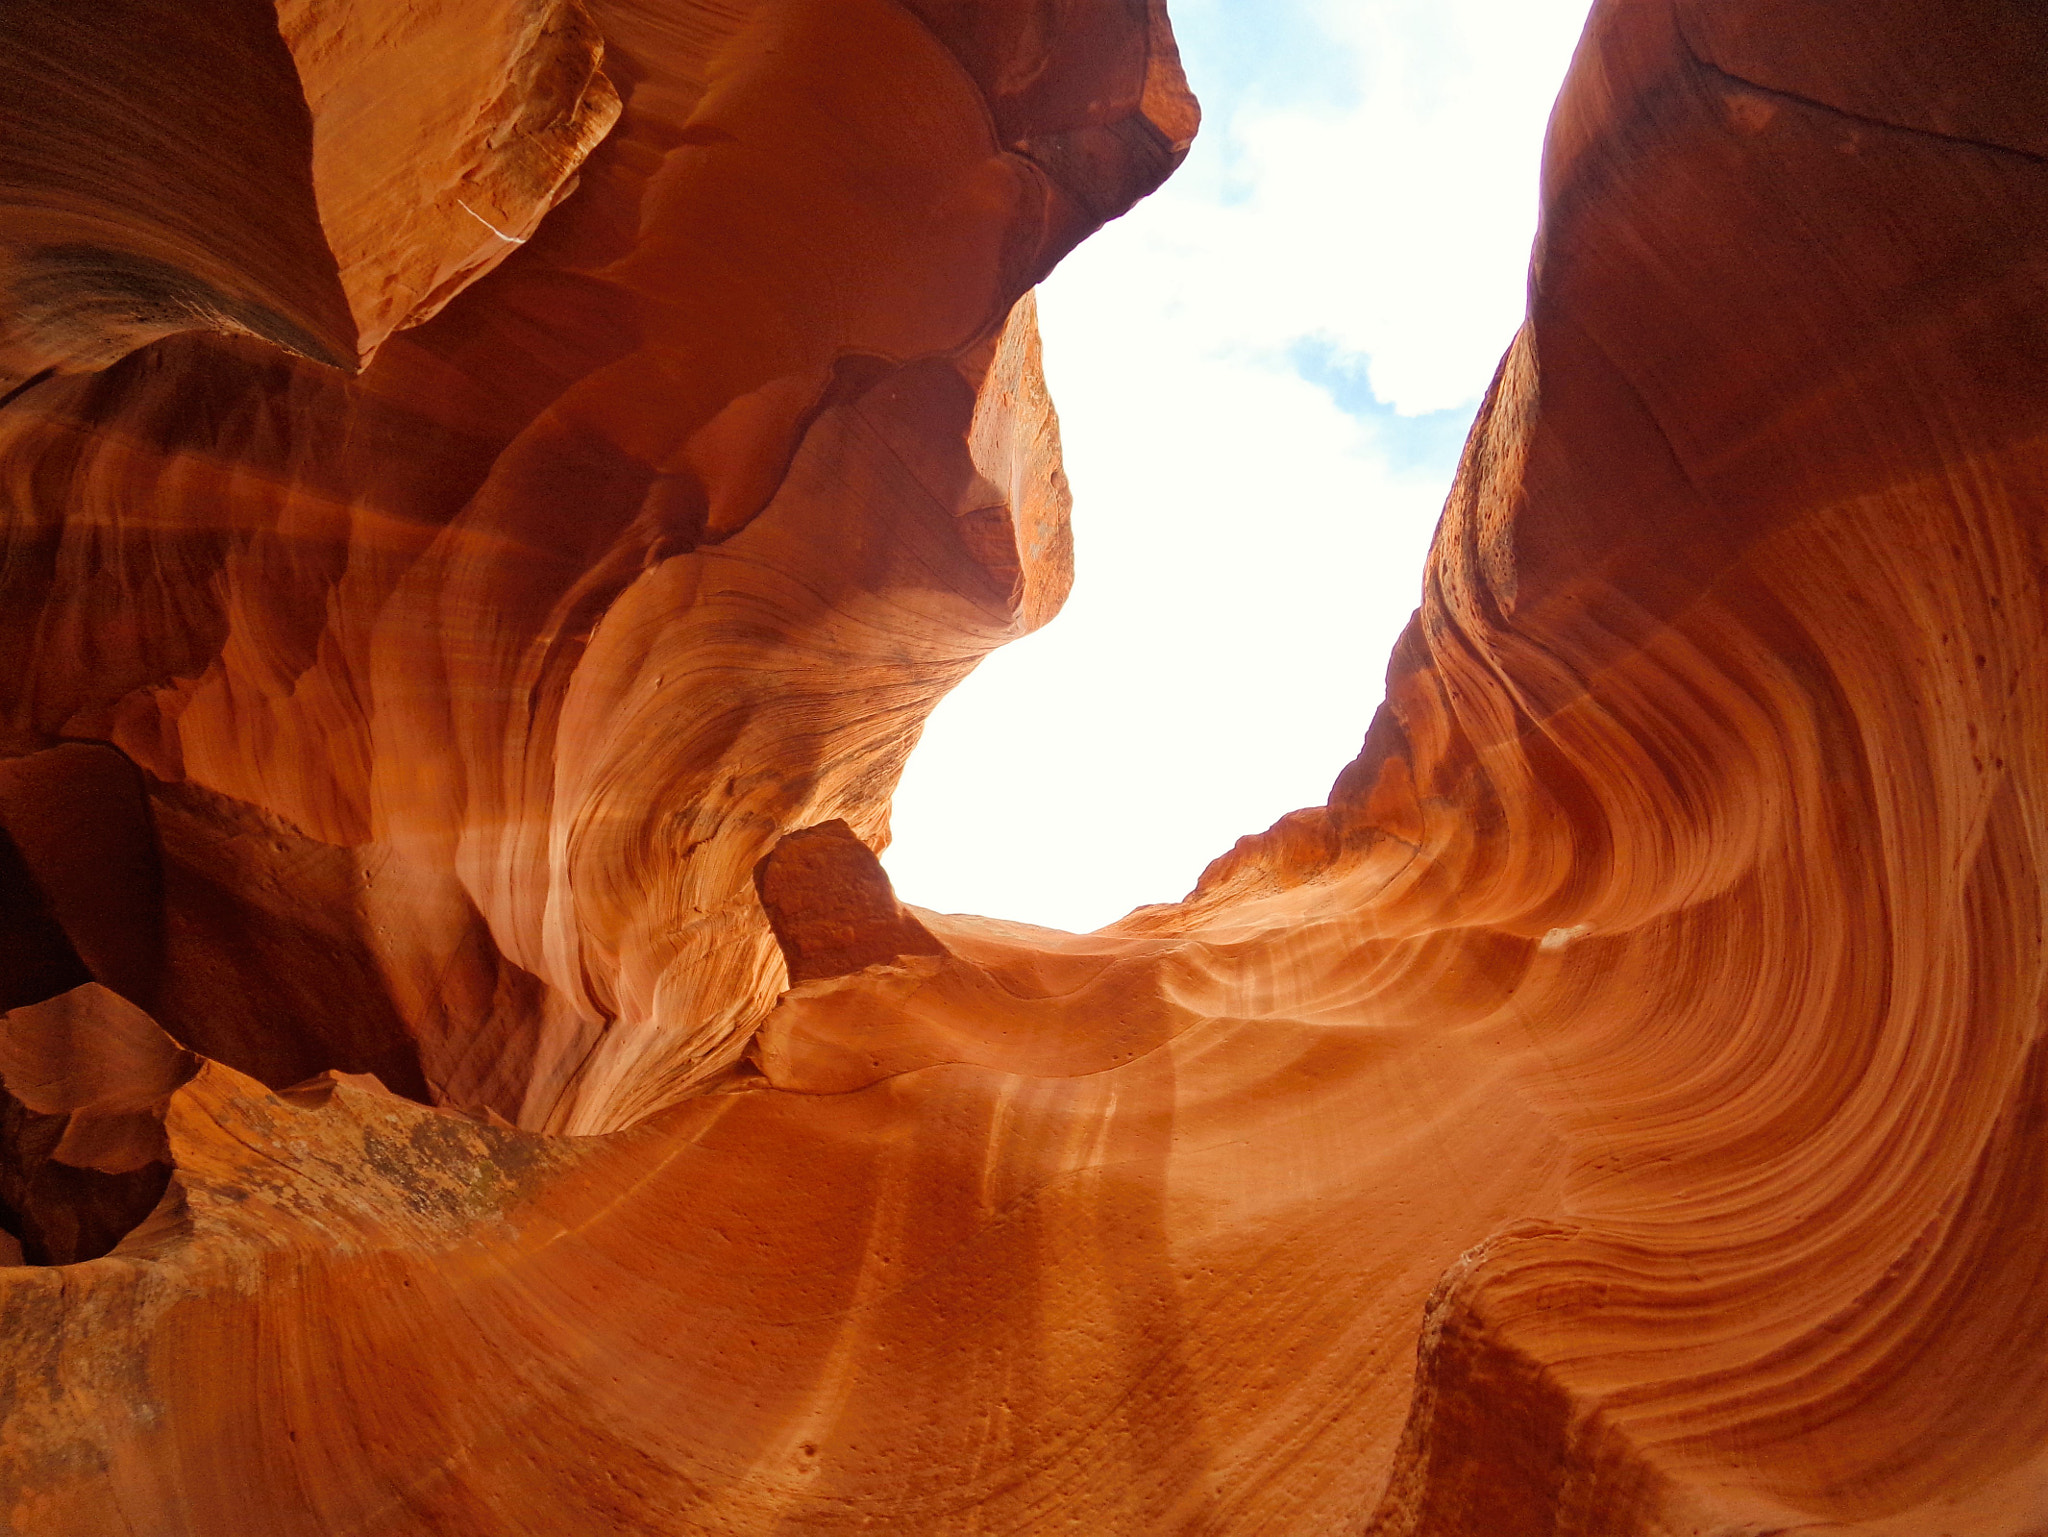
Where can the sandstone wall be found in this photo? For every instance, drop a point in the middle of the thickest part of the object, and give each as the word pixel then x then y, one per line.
pixel 439 1100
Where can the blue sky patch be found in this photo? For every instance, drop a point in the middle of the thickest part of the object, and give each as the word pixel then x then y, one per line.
pixel 1429 443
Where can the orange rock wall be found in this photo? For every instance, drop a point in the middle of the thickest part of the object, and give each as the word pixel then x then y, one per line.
pixel 472 688
pixel 1617 1111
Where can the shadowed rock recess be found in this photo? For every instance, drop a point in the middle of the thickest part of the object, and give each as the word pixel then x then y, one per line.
pixel 493 489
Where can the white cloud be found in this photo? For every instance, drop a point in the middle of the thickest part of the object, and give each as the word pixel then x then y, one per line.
pixel 1248 547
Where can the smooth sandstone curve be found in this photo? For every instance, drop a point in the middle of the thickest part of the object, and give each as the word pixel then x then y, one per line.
pixel 1616 1112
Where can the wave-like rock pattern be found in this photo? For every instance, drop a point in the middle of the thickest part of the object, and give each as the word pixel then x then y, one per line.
pixel 1618 1111
pixel 471 690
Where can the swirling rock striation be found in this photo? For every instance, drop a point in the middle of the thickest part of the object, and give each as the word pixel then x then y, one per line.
pixel 469 691
pixel 462 713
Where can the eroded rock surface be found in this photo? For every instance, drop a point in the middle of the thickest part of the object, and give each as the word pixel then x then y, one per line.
pixel 1618 1111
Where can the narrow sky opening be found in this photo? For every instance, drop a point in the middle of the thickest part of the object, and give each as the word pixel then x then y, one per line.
pixel 1264 374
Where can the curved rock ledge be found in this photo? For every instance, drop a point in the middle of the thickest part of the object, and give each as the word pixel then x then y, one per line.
pixel 1618 1111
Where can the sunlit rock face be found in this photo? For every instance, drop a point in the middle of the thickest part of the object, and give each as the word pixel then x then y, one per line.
pixel 467 690
pixel 1618 1111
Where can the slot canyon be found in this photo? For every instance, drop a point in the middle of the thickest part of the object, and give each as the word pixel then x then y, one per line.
pixel 493 490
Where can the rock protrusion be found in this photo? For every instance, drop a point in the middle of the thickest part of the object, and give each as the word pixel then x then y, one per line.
pixel 832 907
pixel 87 1077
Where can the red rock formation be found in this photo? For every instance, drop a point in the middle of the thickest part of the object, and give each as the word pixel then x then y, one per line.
pixel 1617 1111
pixel 832 907
pixel 87 1079
pixel 318 176
pixel 783 445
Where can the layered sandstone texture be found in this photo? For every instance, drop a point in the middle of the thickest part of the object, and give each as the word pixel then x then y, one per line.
pixel 492 490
